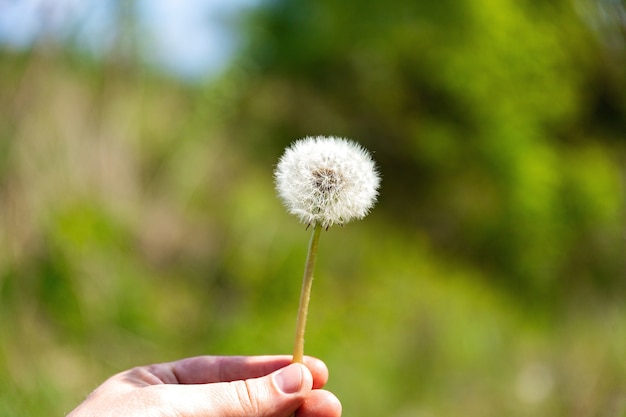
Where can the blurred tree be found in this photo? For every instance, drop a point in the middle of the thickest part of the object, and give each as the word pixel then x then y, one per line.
pixel 493 123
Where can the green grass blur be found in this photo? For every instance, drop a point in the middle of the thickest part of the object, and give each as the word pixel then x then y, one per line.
pixel 139 224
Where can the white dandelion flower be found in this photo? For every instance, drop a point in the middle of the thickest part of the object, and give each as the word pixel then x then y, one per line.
pixel 324 181
pixel 327 180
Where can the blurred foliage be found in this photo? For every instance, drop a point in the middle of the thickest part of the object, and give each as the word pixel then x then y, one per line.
pixel 139 221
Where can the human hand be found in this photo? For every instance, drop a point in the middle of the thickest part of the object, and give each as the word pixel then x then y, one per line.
pixel 216 386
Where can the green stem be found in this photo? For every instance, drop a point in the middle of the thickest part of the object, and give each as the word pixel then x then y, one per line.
pixel 305 295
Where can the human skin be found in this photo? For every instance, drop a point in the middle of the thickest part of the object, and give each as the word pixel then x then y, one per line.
pixel 216 386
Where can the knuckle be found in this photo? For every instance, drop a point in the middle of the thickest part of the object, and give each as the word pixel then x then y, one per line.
pixel 247 400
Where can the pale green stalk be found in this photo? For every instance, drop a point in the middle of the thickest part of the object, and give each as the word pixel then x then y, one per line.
pixel 305 294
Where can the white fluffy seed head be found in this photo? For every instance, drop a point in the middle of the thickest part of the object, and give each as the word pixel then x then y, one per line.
pixel 327 180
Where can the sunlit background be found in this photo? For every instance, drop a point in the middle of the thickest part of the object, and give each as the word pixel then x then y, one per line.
pixel 139 222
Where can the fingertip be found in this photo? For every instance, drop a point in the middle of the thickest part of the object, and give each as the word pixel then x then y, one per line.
pixel 293 378
pixel 320 403
pixel 318 369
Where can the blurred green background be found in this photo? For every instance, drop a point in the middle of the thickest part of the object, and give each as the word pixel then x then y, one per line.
pixel 139 224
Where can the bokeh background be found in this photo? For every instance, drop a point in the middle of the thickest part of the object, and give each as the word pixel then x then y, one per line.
pixel 139 224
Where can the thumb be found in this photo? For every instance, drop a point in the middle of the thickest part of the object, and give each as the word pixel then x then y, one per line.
pixel 278 394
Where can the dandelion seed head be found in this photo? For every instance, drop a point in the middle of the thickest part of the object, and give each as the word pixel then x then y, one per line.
pixel 327 180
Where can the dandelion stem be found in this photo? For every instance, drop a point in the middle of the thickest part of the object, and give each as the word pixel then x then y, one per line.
pixel 305 294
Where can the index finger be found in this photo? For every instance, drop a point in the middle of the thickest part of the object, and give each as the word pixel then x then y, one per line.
pixel 209 369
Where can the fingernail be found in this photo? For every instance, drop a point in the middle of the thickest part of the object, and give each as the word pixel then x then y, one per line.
pixel 289 379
